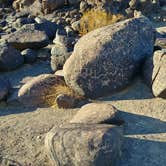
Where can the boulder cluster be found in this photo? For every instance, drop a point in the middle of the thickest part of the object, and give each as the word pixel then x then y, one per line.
pixel 102 62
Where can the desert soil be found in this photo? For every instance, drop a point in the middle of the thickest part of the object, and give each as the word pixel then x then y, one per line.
pixel 22 130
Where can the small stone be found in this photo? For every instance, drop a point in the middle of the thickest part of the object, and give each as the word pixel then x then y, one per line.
pixel 97 113
pixel 30 55
pixel 64 101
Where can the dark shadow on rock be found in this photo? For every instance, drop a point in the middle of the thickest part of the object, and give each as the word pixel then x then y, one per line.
pixel 137 91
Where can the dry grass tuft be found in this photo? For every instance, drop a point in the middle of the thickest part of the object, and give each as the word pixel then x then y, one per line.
pixel 94 19
pixel 57 90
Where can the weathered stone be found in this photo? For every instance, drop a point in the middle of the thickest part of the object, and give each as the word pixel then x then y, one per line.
pixel 59 55
pixel 105 60
pixel 155 73
pixel 51 5
pixel 65 101
pixel 28 38
pixel 30 55
pixel 96 113
pixel 36 91
pixel 10 58
pixel 84 145
pixel 30 6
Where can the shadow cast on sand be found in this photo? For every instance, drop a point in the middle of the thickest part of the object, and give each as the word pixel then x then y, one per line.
pixel 144 141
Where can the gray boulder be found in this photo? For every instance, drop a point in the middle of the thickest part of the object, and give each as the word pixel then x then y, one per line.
pixel 29 55
pixel 39 90
pixel 84 145
pixel 59 55
pixel 105 60
pixel 96 113
pixel 10 58
pixel 4 88
pixel 65 101
pixel 51 5
pixel 154 72
pixel 28 37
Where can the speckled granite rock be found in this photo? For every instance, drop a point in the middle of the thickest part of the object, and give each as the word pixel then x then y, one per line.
pixel 88 144
pixel 105 60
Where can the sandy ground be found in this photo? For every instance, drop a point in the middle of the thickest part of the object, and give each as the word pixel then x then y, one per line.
pixel 22 130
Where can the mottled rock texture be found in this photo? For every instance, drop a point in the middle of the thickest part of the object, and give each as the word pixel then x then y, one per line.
pixel 105 60
pixel 84 145
pixel 155 73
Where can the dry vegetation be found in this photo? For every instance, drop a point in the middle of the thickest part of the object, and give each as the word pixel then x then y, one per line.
pixel 94 19
pixel 57 90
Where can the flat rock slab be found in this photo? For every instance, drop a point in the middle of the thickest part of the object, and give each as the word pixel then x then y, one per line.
pixel 28 38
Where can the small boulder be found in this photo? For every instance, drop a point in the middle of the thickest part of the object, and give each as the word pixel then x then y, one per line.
pixel 28 37
pixel 29 55
pixel 96 113
pixel 154 72
pixel 84 145
pixel 65 101
pixel 10 58
pixel 4 88
pixel 51 5
pixel 38 90
pixel 59 55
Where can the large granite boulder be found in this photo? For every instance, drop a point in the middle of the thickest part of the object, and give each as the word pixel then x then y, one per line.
pixel 28 37
pixel 96 113
pixel 84 145
pixel 105 60
pixel 154 71
pixel 39 90
pixel 10 58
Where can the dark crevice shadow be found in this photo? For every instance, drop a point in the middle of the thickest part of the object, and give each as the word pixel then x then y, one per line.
pixel 138 90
